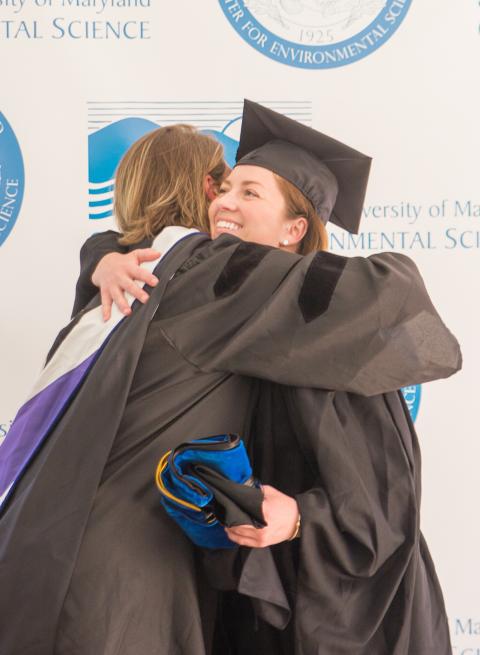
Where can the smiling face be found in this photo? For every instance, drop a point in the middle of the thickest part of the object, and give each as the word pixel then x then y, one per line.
pixel 251 206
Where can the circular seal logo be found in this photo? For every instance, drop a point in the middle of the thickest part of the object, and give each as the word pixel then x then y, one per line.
pixel 315 33
pixel 12 178
pixel 412 397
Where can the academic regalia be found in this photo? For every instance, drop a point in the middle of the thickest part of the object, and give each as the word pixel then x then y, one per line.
pixel 360 580
pixel 332 175
pixel 86 551
pixel 85 548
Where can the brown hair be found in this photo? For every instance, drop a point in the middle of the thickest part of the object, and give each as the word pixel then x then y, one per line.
pixel 160 182
pixel 297 204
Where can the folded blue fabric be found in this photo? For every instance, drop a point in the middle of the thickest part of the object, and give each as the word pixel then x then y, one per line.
pixel 206 484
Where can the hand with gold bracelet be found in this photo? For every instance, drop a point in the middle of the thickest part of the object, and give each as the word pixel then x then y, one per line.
pixel 282 516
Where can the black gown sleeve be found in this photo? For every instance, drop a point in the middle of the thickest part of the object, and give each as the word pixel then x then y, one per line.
pixel 359 555
pixel 364 325
pixel 92 251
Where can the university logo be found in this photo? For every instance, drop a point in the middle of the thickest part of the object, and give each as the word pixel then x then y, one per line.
pixel 12 178
pixel 115 126
pixel 315 33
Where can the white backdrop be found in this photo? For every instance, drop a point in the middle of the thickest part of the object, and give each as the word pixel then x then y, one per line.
pixel 404 90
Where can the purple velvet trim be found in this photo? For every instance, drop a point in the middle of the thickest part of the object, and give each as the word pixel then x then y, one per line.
pixel 34 422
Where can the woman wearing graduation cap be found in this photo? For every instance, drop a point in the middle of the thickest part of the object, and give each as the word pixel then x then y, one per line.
pixel 229 311
pixel 360 580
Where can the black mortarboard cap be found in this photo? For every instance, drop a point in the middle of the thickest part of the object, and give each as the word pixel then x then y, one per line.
pixel 330 174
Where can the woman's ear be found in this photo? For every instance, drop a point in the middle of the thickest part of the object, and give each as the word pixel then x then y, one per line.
pixel 297 229
pixel 210 187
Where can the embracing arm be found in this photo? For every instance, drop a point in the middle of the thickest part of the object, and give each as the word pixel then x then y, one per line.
pixel 364 325
pixel 109 267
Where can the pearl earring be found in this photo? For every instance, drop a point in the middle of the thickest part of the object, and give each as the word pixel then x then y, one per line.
pixel 285 242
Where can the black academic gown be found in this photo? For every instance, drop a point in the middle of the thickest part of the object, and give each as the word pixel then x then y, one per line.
pixel 85 549
pixel 360 580
pixel 376 588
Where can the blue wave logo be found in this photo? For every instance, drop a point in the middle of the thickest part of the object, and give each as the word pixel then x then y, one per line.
pixel 315 33
pixel 105 150
pixel 107 146
pixel 412 397
pixel 12 179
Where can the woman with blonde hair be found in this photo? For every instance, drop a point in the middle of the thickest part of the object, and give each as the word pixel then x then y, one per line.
pixel 353 575
pixel 168 177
